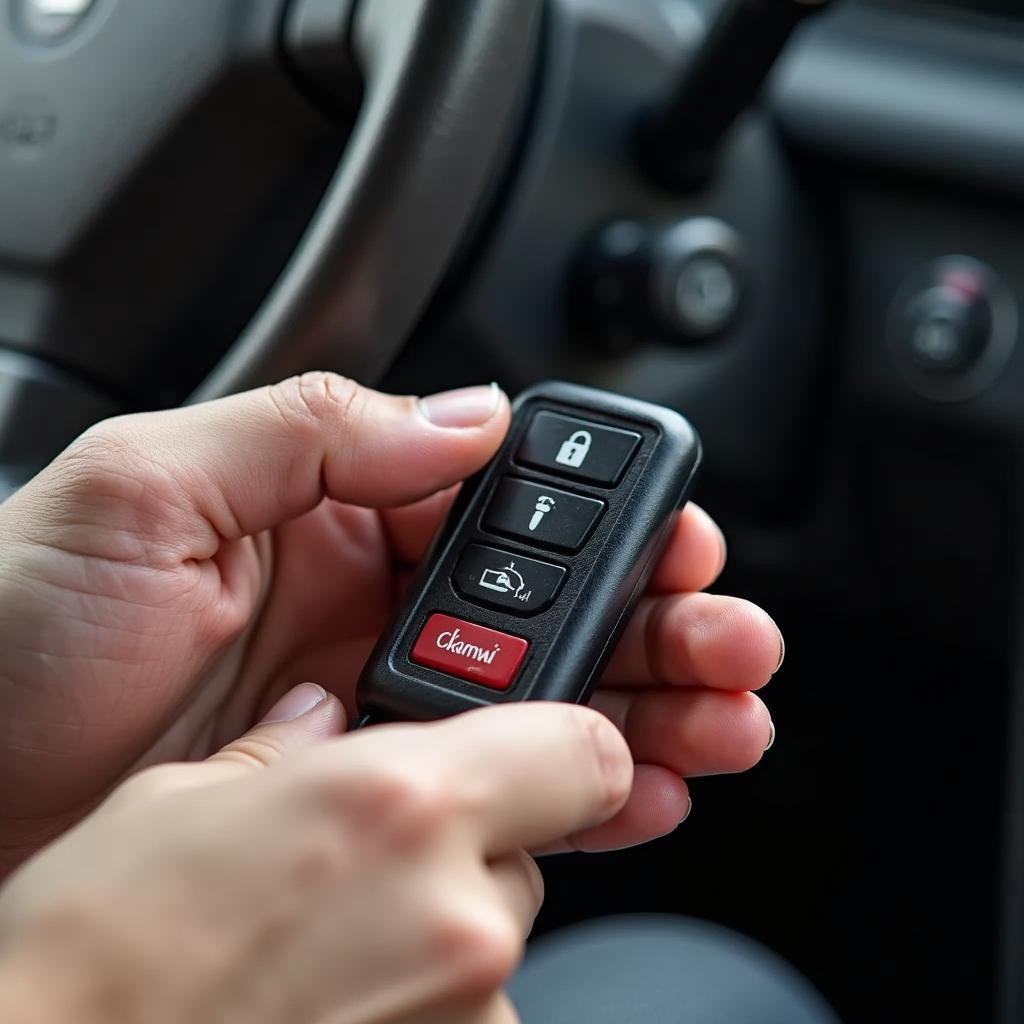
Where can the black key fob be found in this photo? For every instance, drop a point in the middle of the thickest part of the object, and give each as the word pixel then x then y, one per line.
pixel 541 560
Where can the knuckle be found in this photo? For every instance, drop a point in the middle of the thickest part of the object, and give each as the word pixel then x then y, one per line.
pixel 393 806
pixel 109 436
pixel 314 399
pixel 318 861
pixel 256 750
pixel 478 947
pixel 104 456
pixel 413 810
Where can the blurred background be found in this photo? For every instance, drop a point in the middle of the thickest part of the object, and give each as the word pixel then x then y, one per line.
pixel 800 224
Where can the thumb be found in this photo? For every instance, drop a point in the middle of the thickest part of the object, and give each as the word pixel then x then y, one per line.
pixel 237 466
pixel 304 716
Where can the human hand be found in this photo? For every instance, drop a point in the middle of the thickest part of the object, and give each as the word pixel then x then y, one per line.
pixel 378 877
pixel 171 574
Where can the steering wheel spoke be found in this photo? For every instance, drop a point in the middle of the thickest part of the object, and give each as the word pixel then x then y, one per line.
pixel 443 84
pixel 182 215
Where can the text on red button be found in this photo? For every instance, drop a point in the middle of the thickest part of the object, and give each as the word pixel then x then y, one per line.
pixel 469 651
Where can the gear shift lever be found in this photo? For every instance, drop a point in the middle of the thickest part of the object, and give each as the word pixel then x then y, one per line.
pixel 681 139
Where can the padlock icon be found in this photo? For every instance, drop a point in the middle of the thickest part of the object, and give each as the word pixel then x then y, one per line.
pixel 574 451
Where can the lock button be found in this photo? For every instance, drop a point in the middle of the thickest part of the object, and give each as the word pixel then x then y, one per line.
pixel 575 448
pixel 573 452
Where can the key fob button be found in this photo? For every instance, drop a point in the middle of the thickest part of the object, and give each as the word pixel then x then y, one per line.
pixel 499 579
pixel 541 514
pixel 469 651
pixel 577 448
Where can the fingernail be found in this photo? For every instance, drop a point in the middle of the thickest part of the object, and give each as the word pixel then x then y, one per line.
pixel 466 407
pixel 689 807
pixel 295 703
pixel 782 651
pixel 771 736
pixel 725 550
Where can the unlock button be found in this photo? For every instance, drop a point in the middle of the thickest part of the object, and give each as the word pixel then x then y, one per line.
pixel 541 514
pixel 577 448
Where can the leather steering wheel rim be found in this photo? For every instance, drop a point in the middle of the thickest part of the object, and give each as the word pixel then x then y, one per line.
pixel 443 81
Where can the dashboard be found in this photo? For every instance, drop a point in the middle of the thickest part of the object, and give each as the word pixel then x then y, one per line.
pixel 862 417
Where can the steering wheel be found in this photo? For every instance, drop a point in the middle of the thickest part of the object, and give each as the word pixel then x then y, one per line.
pixel 204 197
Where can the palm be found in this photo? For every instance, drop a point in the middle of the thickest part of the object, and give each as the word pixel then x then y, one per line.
pixel 331 586
pixel 153 664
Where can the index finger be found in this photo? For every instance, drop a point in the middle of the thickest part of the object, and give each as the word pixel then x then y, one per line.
pixel 536 771
pixel 521 775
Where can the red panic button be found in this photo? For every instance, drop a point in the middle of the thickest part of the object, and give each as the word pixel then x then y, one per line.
pixel 468 651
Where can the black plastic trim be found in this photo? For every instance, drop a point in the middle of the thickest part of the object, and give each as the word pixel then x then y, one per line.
pixel 935 96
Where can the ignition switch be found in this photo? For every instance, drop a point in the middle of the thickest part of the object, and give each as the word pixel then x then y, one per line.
pixel 682 283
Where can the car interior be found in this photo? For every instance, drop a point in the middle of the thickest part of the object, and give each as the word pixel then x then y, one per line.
pixel 799 223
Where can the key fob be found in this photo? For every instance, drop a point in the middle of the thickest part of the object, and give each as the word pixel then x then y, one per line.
pixel 541 560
